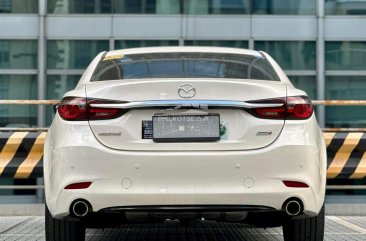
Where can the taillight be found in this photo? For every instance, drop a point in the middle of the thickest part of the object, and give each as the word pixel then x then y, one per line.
pixel 278 112
pixel 293 108
pixel 80 109
pixel 73 108
pixel 299 107
pixel 102 113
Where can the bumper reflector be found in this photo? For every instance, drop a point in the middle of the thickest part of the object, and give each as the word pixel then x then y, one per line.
pixel 295 184
pixel 78 185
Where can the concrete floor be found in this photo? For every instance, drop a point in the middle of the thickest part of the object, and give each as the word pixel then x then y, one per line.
pixel 338 228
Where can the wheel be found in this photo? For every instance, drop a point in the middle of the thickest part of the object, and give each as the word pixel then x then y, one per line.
pixel 307 229
pixel 62 230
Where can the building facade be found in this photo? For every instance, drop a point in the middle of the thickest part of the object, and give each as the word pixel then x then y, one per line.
pixel 46 44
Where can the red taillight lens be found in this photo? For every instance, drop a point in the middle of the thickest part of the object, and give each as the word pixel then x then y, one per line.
pixel 299 107
pixel 102 113
pixel 78 185
pixel 270 112
pixel 73 108
pixel 293 108
pixel 80 109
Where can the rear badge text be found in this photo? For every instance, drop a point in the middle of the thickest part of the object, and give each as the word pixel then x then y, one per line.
pixel 110 134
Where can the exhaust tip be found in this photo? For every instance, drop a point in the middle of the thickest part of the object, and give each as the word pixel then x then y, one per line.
pixel 293 207
pixel 80 208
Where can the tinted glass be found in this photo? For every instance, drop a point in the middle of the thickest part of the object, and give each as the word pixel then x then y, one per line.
pixel 18 87
pixel 184 65
pixel 337 7
pixel 345 55
pixel 217 43
pixel 57 86
pixel 295 7
pixel 291 55
pixel 147 6
pixel 305 83
pixel 124 44
pixel 18 6
pixel 115 6
pixel 216 7
pixel 12 181
pixel 18 54
pixel 73 54
pixel 345 88
pixel 79 6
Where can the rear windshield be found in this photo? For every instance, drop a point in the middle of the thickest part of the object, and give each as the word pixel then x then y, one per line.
pixel 184 65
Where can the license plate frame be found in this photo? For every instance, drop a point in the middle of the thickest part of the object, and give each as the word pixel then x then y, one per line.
pixel 180 123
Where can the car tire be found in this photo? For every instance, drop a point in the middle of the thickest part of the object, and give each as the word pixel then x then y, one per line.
pixel 63 230
pixel 307 229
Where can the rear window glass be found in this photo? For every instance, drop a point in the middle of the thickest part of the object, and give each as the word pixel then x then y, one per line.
pixel 184 65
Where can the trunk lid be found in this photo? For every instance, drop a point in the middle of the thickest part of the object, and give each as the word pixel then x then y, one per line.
pixel 239 130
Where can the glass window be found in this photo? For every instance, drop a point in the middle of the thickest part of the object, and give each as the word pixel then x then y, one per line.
pixel 18 54
pixel 17 192
pixel 18 87
pixel 18 6
pixel 79 6
pixel 73 54
pixel 218 43
pixel 147 6
pixel 345 55
pixel 305 83
pixel 6 181
pixel 216 6
pixel 185 65
pixel 345 182
pixel 345 88
pixel 57 86
pixel 115 6
pixel 124 44
pixel 339 7
pixel 291 55
pixel 295 7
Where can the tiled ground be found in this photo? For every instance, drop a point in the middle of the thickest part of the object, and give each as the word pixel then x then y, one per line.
pixel 32 228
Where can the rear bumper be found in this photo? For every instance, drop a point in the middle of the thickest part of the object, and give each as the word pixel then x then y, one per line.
pixel 114 216
pixel 130 178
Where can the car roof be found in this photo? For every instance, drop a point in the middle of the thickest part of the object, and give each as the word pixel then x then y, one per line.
pixel 184 49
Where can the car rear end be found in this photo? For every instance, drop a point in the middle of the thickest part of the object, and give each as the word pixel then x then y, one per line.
pixel 135 141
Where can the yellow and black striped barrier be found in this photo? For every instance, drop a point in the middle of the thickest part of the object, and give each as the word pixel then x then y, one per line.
pixel 21 154
pixel 346 155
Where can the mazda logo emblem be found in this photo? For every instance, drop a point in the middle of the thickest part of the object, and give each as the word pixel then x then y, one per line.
pixel 187 91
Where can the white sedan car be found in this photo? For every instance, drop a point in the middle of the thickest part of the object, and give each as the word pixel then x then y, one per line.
pixel 187 133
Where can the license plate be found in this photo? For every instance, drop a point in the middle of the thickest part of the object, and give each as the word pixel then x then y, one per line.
pixel 186 128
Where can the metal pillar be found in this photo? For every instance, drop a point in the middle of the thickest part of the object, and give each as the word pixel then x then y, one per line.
pixel 320 52
pixel 251 43
pixel 40 197
pixel 111 44
pixel 41 120
pixel 251 37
